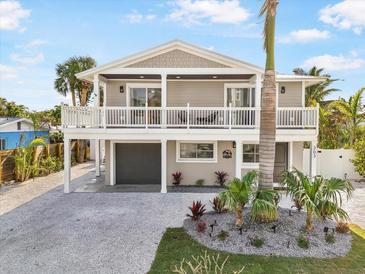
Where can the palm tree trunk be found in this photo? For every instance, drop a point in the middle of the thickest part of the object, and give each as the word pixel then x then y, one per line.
pixel 73 96
pixel 239 217
pixel 309 221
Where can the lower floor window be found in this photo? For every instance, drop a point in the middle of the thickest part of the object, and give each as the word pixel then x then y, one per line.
pixel 250 153
pixel 196 151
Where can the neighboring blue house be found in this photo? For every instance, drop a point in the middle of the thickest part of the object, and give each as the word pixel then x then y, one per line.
pixel 11 130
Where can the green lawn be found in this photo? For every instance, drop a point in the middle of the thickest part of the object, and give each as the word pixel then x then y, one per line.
pixel 177 244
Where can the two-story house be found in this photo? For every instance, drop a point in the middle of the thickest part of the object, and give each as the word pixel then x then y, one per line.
pixel 179 107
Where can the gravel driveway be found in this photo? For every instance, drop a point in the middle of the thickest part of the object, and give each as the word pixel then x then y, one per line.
pixel 89 232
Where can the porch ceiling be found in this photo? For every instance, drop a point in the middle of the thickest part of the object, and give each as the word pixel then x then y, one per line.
pixel 183 76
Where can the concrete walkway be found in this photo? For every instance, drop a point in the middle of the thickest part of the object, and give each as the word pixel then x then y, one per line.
pixel 93 232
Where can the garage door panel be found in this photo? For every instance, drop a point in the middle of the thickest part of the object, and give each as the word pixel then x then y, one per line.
pixel 138 163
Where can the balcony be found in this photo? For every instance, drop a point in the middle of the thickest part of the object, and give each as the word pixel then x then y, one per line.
pixel 185 117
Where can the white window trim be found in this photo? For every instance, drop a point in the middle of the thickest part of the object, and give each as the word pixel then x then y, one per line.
pixel 196 160
pixel 139 85
pixel 249 165
pixel 237 85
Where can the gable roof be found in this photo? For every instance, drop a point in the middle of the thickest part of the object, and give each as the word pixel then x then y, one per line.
pixel 167 47
pixel 4 121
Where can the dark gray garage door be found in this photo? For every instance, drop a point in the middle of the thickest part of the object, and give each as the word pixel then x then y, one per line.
pixel 138 164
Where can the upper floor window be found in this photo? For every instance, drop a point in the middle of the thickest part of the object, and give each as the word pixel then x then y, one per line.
pixel 196 152
pixel 250 153
pixel 2 144
pixel 19 125
pixel 144 94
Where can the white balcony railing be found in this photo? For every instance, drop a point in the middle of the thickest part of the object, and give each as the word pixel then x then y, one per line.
pixel 183 117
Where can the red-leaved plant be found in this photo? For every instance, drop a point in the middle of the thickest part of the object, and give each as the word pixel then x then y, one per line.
pixel 222 177
pixel 177 178
pixel 197 210
pixel 201 227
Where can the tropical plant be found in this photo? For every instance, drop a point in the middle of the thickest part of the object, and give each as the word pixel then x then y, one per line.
pixel 11 109
pixel 66 81
pixel 204 264
pixel 221 177
pixel 177 178
pixel 268 99
pixel 223 235
pixel 218 205
pixel 353 111
pixel 197 210
pixel 330 238
pixel 316 94
pixel 27 160
pixel 320 197
pixel 240 192
pixel 199 182
pixel 359 160
pixel 55 137
pixel 257 242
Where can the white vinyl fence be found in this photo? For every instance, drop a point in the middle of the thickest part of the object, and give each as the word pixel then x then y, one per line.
pixel 333 163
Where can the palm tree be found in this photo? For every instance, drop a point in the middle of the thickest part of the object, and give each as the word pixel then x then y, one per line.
pixel 320 197
pixel 353 111
pixel 268 99
pixel 66 81
pixel 316 93
pixel 240 192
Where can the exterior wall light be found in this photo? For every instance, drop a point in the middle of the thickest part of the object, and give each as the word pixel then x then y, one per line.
pixel 282 90
pixel 121 89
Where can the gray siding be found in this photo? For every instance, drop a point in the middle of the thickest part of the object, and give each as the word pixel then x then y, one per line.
pixel 292 96
pixel 198 94
pixel 176 59
pixel 195 171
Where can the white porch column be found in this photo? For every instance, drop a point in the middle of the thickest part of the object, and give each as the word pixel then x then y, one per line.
pixel 112 163
pixel 238 165
pixel 163 166
pixel 290 156
pixel 313 159
pixel 97 157
pixel 303 93
pixel 67 165
pixel 164 98
pixel 96 91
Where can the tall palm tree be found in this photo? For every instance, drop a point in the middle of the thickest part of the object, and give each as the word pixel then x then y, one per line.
pixel 66 81
pixel 316 93
pixel 353 111
pixel 268 99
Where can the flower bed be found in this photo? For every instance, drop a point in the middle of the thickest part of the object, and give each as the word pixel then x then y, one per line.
pixel 260 239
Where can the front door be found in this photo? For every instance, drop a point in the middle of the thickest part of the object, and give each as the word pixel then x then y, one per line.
pixel 281 160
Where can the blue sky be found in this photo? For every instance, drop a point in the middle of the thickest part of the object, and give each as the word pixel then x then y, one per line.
pixel 35 35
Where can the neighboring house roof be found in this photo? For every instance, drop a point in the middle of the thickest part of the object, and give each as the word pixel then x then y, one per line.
pixel 227 61
pixel 5 121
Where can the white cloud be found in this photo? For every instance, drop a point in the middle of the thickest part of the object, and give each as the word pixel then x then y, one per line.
pixel 347 14
pixel 11 13
pixel 305 36
pixel 27 60
pixel 214 11
pixel 137 17
pixel 334 63
pixel 33 44
pixel 7 73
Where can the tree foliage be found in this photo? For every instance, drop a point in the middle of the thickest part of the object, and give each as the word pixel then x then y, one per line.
pixel 359 160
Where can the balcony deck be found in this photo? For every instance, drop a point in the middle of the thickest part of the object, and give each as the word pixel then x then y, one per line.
pixel 184 117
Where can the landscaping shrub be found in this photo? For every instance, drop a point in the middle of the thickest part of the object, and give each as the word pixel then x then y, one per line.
pixel 203 264
pixel 257 242
pixel 197 210
pixel 330 238
pixel 200 182
pixel 50 164
pixel 201 227
pixel 177 178
pixel 342 227
pixel 359 160
pixel 303 241
pixel 223 235
pixel 218 205
pixel 221 177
